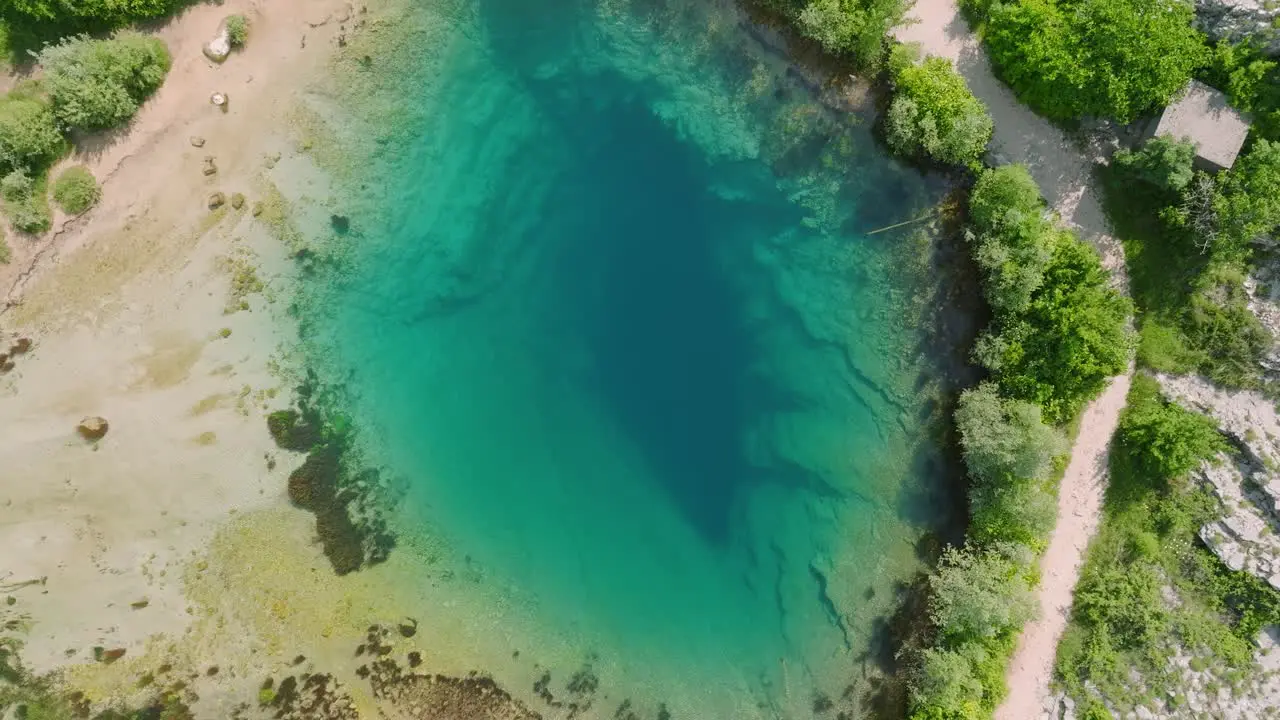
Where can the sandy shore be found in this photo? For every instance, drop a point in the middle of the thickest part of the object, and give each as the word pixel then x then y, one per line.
pixel 1064 171
pixel 134 318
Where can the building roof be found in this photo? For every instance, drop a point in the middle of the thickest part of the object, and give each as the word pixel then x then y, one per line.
pixel 1203 115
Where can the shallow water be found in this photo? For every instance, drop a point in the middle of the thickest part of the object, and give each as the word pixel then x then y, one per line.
pixel 612 311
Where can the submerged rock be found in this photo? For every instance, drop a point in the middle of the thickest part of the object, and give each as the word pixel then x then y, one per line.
pixel 217 200
pixel 92 428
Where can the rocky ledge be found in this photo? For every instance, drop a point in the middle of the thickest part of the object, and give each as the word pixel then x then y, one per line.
pixel 1248 536
pixel 1236 20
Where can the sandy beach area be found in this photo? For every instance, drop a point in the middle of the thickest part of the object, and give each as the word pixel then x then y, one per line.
pixel 154 312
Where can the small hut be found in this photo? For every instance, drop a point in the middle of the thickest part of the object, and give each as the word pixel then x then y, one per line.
pixel 1202 115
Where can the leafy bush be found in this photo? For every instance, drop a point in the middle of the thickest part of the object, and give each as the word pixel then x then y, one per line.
pixel 49 16
pixel 1108 58
pixel 1166 441
pixel 981 595
pixel 934 114
pixel 1009 452
pixel 1162 161
pixel 237 30
pixel 1229 337
pixel 25 203
pixel 1073 336
pixel 855 29
pixel 5 253
pixel 75 190
pixel 1247 201
pixel 1014 238
pixel 1004 439
pixel 96 84
pixel 1251 81
pixel 29 136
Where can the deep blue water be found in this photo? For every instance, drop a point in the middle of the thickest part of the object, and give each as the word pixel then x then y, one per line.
pixel 612 310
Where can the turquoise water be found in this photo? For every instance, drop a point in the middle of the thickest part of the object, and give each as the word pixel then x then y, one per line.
pixel 611 309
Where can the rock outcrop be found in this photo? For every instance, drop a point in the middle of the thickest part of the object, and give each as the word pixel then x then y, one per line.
pixel 1236 20
pixel 1248 536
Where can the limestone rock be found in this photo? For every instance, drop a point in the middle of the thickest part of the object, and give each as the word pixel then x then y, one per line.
pixel 209 167
pixel 197 141
pixel 237 200
pixel 92 428
pixel 1236 20
pixel 219 47
pixel 217 200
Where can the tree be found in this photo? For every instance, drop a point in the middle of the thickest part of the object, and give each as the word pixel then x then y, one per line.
pixel 84 13
pixel 944 687
pixel 97 84
pixel 934 114
pixel 1107 58
pixel 1014 238
pixel 981 595
pixel 1004 439
pixel 855 28
pixel 1162 161
pixel 1073 336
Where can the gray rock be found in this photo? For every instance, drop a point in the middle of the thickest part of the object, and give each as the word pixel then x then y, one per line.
pixel 1237 20
pixel 218 48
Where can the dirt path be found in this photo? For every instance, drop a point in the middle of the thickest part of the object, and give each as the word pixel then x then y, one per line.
pixel 1064 172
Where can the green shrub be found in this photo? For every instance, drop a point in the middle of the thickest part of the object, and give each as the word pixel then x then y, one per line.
pixel 1107 58
pixel 1014 238
pixel 1230 338
pixel 1247 201
pixel 946 688
pixel 933 114
pixel 854 29
pixel 25 202
pixel 1162 161
pixel 75 190
pixel 1073 336
pixel 1004 439
pixel 5 253
pixel 29 135
pixel 237 30
pixel 97 84
pixel 981 595
pixel 84 14
pixel 1165 441
pixel 1251 81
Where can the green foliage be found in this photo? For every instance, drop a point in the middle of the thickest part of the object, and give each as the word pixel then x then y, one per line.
pixel 981 595
pixel 1195 315
pixel 1251 81
pixel 1073 336
pixel 853 29
pixel 29 135
pixel 933 114
pixel 1166 441
pixel 75 190
pixel 5 253
pixel 237 30
pixel 1230 337
pixel 1162 161
pixel 25 202
pixel 1247 201
pixel 1004 439
pixel 1014 238
pixel 97 84
pixel 1147 547
pixel 1108 58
